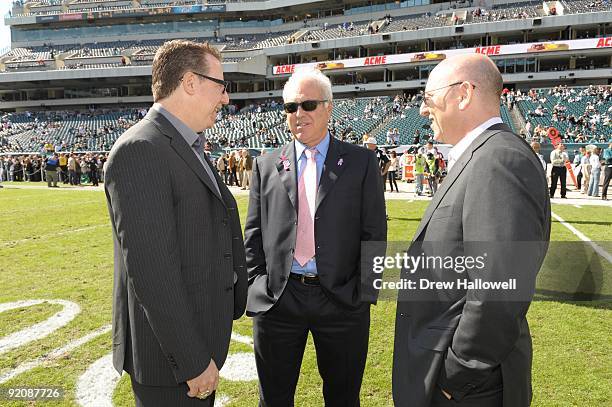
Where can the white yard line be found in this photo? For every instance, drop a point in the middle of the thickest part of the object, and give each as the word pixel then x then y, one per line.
pixel 37 331
pixel 95 387
pixel 247 340
pixel 584 238
pixel 221 400
pixel 53 355
pixel 51 236
pixel 47 207
pixel 578 206
pixel 239 367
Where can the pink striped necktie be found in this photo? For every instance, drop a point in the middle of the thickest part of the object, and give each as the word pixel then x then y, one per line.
pixel 307 195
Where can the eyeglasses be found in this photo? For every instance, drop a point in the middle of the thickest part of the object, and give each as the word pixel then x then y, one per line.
pixel 427 95
pixel 221 82
pixel 307 105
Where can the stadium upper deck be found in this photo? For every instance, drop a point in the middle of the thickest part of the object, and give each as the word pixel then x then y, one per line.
pixel 68 53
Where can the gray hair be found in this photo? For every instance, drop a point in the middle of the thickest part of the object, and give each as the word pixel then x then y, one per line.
pixel 308 74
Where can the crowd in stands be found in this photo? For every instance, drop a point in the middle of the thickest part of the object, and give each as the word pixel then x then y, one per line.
pixel 581 115
pixel 94 130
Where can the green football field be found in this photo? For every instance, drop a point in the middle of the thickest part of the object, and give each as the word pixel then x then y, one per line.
pixel 56 245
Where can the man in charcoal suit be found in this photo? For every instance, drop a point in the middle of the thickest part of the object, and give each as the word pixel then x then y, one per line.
pixel 180 272
pixel 465 346
pixel 312 204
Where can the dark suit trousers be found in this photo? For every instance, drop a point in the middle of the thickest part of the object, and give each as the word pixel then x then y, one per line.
pixel 340 338
pixel 159 396
pixel 556 174
pixel 606 184
pixel 489 394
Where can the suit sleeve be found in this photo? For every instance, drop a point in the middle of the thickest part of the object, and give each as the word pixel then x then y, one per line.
pixel 241 285
pixel 373 225
pixel 507 209
pixel 139 192
pixel 253 241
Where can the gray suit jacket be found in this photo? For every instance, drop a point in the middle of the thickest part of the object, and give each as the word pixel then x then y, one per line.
pixel 178 245
pixel 350 209
pixel 496 193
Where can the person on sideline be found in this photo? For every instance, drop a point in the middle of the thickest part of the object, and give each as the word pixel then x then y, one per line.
pixel 558 158
pixel 578 167
pixel 394 165
pixel 595 173
pixel 607 158
pixel 536 149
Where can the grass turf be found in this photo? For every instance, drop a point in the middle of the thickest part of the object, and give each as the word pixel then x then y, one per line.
pixel 57 245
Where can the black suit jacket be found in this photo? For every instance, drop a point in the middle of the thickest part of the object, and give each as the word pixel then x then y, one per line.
pixel 495 193
pixel 350 209
pixel 178 246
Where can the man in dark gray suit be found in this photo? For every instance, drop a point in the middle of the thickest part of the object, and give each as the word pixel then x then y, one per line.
pixel 466 345
pixel 312 204
pixel 180 272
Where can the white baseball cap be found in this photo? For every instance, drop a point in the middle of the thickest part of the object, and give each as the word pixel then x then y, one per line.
pixel 371 140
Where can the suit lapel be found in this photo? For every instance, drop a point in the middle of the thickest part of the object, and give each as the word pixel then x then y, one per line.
pixel 332 169
pixel 288 173
pixel 184 151
pixel 454 173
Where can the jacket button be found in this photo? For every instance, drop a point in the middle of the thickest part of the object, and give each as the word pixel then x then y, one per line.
pixel 292 250
pixel 229 288
pixel 224 221
pixel 227 255
pixel 295 223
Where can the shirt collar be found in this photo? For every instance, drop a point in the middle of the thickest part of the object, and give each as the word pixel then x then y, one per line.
pixel 322 147
pixel 189 135
pixel 463 144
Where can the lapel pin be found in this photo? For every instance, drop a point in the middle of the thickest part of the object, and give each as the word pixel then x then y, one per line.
pixel 340 162
pixel 286 163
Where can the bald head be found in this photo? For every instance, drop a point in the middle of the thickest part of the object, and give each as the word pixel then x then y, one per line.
pixel 462 93
pixel 477 69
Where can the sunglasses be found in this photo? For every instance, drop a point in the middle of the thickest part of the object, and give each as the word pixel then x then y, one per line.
pixel 307 105
pixel 221 82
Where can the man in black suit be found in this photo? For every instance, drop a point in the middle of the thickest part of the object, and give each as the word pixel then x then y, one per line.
pixel 180 268
pixel 460 345
pixel 312 204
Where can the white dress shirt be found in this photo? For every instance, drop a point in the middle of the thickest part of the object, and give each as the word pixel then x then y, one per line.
pixel 594 160
pixel 463 144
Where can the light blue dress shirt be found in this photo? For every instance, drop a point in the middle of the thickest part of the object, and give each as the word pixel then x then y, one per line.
pixel 311 266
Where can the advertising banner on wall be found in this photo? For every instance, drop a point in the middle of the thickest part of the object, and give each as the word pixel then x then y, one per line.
pixel 71 17
pixel 47 19
pixel 435 56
